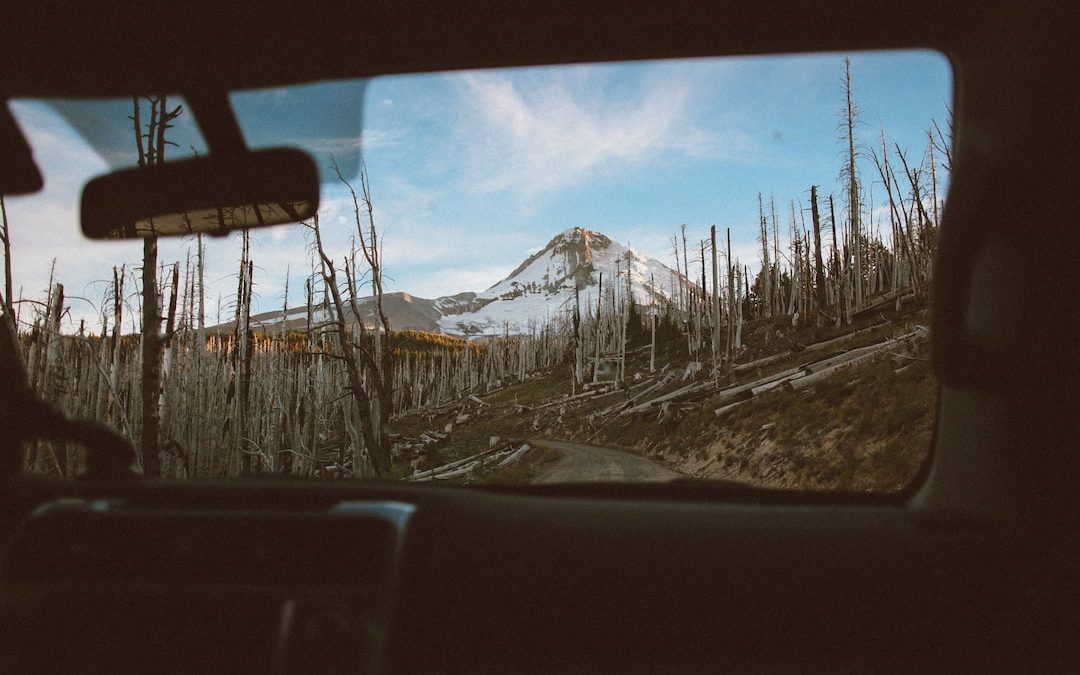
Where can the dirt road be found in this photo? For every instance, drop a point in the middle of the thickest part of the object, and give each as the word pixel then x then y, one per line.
pixel 582 463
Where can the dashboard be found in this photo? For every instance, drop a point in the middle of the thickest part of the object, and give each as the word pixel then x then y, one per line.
pixel 282 577
pixel 237 589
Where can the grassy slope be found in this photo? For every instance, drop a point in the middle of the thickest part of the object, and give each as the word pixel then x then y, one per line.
pixel 866 428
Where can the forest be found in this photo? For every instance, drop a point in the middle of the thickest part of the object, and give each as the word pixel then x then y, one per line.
pixel 338 397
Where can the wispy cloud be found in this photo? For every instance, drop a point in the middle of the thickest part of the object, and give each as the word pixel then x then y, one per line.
pixel 541 136
pixel 367 140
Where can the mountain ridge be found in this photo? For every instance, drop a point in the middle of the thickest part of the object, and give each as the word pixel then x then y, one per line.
pixel 576 259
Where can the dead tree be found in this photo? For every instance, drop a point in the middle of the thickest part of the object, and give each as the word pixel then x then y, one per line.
pixel 731 303
pixel 652 324
pixel 599 300
pixel 686 272
pixel 579 341
pixel 835 271
pixel 933 177
pixel 151 151
pixel 375 401
pixel 819 266
pixel 943 144
pixel 349 350
pixel 716 301
pixel 766 270
pixel 901 239
pixel 850 115
pixel 778 299
pixel 678 272
pixel 5 239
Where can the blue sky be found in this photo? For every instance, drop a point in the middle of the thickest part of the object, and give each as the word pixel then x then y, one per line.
pixel 472 171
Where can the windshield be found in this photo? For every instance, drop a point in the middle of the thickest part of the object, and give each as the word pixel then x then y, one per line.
pixel 709 268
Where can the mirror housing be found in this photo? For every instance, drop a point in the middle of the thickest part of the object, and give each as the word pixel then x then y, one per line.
pixel 208 195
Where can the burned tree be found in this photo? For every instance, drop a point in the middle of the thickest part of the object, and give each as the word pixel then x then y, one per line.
pixel 819 266
pixel 151 145
pixel 5 240
pixel 852 186
pixel 369 356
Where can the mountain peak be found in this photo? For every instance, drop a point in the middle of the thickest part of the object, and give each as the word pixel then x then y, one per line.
pixel 572 262
pixel 566 260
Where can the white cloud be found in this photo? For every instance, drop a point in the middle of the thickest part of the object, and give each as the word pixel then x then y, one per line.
pixel 367 139
pixel 535 133
pixel 549 136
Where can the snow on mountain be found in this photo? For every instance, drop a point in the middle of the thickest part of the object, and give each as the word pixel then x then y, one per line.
pixel 541 288
pixel 543 285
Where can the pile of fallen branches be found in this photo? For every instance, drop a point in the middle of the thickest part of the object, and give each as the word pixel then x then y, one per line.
pixel 797 377
pixel 500 456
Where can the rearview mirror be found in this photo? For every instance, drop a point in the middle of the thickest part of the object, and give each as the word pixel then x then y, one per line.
pixel 209 195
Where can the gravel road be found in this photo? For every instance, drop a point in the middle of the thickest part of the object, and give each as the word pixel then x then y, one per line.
pixel 587 463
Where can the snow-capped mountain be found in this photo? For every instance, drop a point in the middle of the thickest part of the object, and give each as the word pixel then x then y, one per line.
pixel 541 287
pixel 544 284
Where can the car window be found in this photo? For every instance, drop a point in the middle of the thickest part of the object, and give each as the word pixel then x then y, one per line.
pixel 707 269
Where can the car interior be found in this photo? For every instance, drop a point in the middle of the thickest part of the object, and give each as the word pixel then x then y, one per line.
pixel 972 568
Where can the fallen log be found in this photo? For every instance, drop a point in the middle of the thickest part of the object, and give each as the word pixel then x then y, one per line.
pixel 724 410
pixel 903 296
pixel 426 474
pixel 811 378
pixel 825 344
pixel 515 456
pixel 816 346
pixel 683 392
pixel 576 397
pixel 622 405
pixel 771 378
pixel 741 368
pixel 859 351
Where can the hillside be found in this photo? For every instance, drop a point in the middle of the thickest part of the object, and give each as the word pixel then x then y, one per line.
pixel 822 409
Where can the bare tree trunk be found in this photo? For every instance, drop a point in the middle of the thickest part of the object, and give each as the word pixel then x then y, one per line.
pixel 379 367
pixel 853 188
pixel 819 266
pixel 777 300
pixel 352 369
pixel 686 270
pixel 933 178
pixel 626 314
pixel 599 300
pixel 916 193
pixel 168 348
pixel 766 270
pixel 678 273
pixel 5 239
pixel 199 452
pixel 738 305
pixel 703 303
pixel 151 361
pixel 716 301
pixel 837 271
pixel 153 152
pixel 579 339
pixel 56 373
pixel 942 143
pixel 731 303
